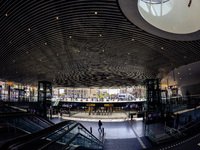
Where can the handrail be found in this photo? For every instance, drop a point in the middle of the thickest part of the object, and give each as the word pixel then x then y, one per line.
pixel 33 136
pixel 57 131
pixel 60 136
pixel 100 143
pixel 45 120
pixel 90 133
pixel 68 143
pixel 66 132
pixel 14 114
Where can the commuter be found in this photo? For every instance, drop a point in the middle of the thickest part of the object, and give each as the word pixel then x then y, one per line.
pixel 61 112
pixel 100 124
pixel 188 96
pixel 131 117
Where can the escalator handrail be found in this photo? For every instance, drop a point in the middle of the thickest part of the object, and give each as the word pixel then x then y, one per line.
pixel 68 143
pixel 45 120
pixel 55 132
pixel 19 114
pixel 66 132
pixel 40 122
pixel 60 136
pixel 33 136
pixel 90 133
pixel 14 114
pixel 100 143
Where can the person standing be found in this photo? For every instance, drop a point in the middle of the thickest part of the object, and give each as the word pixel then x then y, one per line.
pixel 100 124
pixel 188 96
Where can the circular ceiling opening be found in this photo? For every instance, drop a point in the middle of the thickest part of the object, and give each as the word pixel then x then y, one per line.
pixel 173 16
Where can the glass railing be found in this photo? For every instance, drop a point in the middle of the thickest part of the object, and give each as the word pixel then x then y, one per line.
pixel 25 125
pixel 60 136
pixel 75 135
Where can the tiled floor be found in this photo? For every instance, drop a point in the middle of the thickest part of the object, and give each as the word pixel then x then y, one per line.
pixel 122 135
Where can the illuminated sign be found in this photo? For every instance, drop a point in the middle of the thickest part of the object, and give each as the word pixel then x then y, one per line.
pixel 107 105
pixel 90 104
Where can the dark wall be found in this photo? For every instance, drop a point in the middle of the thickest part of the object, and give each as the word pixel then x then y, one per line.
pixel 193 89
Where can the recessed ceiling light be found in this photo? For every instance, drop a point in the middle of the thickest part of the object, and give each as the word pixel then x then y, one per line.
pixel 162 48
pixel 6 15
pixel 45 43
pixel 70 37
pixel 133 39
pixel 100 35
pixel 29 29
pixel 57 18
pixel 178 72
pixel 95 12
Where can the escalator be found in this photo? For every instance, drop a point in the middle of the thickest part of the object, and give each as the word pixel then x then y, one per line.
pixel 66 135
pixel 28 122
pixel 16 124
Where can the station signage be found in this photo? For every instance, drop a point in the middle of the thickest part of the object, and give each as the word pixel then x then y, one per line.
pixel 90 104
pixel 108 105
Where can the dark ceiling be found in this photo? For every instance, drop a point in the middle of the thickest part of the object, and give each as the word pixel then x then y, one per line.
pixel 65 42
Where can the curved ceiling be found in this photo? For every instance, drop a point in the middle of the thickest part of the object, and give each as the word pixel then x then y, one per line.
pixel 82 43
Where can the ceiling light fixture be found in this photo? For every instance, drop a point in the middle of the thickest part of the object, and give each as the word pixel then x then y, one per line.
pixel 95 12
pixel 57 18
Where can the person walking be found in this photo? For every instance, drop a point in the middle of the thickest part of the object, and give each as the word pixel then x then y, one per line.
pixel 100 124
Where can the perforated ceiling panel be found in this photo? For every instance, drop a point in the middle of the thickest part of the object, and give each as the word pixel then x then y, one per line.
pixel 82 43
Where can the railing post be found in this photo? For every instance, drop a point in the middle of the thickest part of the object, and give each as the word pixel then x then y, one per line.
pixel 90 129
pixel 103 131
